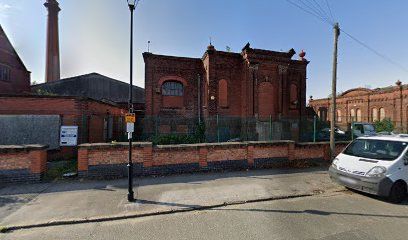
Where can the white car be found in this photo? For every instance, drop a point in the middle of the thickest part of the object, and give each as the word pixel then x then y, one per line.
pixel 374 164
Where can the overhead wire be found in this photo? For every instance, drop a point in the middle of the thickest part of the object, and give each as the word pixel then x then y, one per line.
pixel 331 22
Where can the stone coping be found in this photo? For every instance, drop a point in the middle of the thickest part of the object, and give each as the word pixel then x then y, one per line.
pixel 113 145
pixel 192 146
pixel 21 148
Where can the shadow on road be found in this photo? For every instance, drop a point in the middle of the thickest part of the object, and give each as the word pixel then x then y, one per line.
pixel 314 212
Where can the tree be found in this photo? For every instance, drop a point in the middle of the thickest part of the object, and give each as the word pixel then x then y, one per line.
pixel 384 125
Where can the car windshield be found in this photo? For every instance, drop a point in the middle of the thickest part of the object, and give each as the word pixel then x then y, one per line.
pixel 375 149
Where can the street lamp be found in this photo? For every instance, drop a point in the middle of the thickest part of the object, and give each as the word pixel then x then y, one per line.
pixel 132 5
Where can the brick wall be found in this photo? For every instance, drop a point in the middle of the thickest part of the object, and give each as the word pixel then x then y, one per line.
pixel 22 163
pixel 109 160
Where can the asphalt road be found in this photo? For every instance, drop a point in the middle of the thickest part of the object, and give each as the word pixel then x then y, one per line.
pixel 345 215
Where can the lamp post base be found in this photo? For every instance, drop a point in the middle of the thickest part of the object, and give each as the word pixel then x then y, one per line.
pixel 130 197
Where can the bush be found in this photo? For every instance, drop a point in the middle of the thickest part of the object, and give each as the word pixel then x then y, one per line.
pixel 384 125
pixel 173 138
pixel 169 139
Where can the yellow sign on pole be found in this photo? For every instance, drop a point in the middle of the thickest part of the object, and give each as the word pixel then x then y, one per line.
pixel 130 118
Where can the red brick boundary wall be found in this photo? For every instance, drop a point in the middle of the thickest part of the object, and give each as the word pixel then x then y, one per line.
pixel 22 163
pixel 104 160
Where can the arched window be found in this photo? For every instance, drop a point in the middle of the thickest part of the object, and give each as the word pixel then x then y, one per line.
pixel 358 115
pixel 323 114
pixel 382 114
pixel 294 95
pixel 223 93
pixel 338 115
pixel 172 88
pixel 353 115
pixel 375 114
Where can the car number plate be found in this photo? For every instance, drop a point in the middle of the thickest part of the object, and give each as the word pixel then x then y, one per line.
pixel 347 180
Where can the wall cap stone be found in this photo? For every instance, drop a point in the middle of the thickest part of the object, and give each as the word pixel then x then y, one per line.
pixel 113 145
pixel 21 148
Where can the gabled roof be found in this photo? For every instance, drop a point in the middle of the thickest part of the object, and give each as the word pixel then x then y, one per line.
pixel 3 34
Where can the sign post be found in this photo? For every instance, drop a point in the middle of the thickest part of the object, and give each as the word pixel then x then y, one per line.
pixel 130 119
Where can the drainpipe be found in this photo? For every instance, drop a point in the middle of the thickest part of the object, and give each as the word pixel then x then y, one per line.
pixel 199 98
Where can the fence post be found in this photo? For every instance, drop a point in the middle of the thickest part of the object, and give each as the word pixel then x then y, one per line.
pixel 218 130
pixel 314 128
pixel 352 130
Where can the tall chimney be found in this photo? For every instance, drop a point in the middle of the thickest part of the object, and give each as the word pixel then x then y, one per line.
pixel 52 68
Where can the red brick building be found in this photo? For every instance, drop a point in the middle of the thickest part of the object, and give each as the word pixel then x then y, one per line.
pixel 14 76
pixel 97 121
pixel 368 105
pixel 255 83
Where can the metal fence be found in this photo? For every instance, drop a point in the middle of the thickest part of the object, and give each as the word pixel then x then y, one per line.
pixel 174 130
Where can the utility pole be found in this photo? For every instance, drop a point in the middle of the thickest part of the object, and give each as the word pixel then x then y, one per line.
pixel 333 99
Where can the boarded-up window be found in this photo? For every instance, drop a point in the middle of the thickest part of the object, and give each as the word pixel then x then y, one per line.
pixel 358 115
pixel 382 114
pixel 323 114
pixel 223 93
pixel 375 114
pixel 338 115
pixel 353 115
pixel 266 100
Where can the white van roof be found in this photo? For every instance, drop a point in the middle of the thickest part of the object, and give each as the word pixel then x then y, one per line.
pixel 393 137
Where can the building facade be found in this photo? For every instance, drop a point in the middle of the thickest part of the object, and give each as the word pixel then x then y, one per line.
pixel 367 105
pixel 14 76
pixel 258 84
pixel 97 121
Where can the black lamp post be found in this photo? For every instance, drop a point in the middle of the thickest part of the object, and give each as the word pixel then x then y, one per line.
pixel 132 5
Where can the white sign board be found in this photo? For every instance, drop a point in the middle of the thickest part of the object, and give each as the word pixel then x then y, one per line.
pixel 69 136
pixel 130 127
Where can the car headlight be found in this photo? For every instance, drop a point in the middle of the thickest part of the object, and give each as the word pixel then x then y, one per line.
pixel 334 163
pixel 377 172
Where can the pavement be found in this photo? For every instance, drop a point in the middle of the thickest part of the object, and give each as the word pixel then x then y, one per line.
pixel 326 216
pixel 76 201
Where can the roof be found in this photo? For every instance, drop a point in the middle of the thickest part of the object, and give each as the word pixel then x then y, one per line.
pixel 57 97
pixel 92 85
pixel 3 33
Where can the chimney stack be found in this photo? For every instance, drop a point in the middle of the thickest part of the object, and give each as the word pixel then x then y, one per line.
pixel 52 69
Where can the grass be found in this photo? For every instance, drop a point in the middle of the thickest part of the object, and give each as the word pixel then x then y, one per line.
pixel 3 229
pixel 61 168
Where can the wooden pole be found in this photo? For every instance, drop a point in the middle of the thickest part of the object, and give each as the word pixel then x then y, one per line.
pixel 333 99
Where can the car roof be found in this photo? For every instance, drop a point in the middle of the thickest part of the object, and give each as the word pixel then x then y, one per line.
pixel 395 137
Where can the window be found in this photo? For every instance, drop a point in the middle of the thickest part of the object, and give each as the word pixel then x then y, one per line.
pixel 375 114
pixel 358 115
pixel 223 93
pixel 172 88
pixel 323 114
pixel 376 149
pixel 382 114
pixel 353 115
pixel 338 115
pixel 4 73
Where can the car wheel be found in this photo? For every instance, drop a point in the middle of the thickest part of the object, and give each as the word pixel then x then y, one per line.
pixel 398 192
